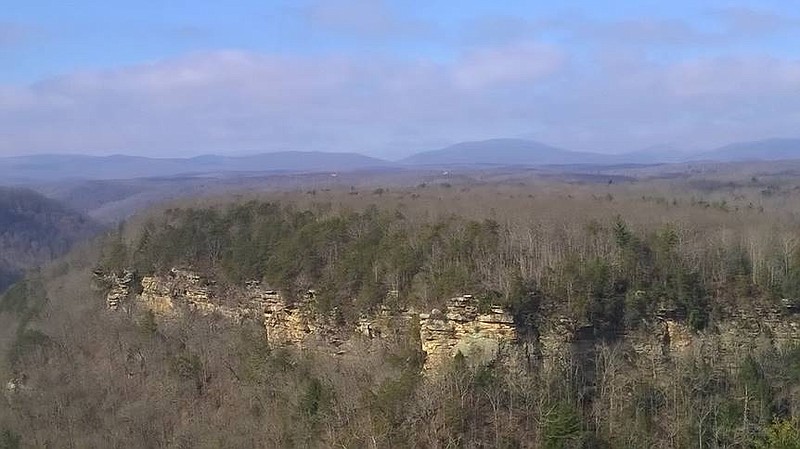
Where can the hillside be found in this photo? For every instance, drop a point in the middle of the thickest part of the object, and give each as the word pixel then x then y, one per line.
pixel 34 230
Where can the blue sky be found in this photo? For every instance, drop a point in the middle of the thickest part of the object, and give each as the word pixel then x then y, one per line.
pixel 389 78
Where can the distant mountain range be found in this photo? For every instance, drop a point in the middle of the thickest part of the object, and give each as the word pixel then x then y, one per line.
pixel 528 152
pixel 38 168
pixel 760 150
pixel 503 152
pixel 496 152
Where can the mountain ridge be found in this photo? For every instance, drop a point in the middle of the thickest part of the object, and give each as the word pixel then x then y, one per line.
pixel 490 152
pixel 772 149
pixel 502 151
pixel 44 167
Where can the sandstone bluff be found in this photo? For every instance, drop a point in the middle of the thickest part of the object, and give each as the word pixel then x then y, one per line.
pixel 480 334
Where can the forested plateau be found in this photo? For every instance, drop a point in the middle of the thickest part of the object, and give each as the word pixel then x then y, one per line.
pixel 660 313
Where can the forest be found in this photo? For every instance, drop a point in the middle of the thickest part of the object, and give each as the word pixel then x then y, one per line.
pixel 34 230
pixel 611 257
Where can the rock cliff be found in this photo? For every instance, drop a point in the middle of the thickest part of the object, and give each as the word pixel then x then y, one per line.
pixel 118 288
pixel 480 335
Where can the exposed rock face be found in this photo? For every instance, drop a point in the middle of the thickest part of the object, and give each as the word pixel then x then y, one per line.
pixel 461 328
pixel 678 337
pixel 658 342
pixel 164 295
pixel 183 291
pixel 156 296
pixel 118 287
pixel 291 323
pixel 480 336
pixel 667 339
pixel 297 324
pixel 745 330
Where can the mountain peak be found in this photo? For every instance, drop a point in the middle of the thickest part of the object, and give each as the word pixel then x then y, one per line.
pixel 773 149
pixel 501 152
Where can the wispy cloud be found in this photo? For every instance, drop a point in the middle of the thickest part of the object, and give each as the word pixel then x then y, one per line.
pixel 233 100
pixel 524 62
pixel 572 80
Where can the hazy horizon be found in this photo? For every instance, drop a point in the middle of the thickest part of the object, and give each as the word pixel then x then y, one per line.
pixel 655 150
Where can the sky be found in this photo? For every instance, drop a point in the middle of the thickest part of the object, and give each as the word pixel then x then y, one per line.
pixel 389 78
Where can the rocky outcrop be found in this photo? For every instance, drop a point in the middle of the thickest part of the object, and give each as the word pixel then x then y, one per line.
pixel 182 291
pixel 292 323
pixel 462 328
pixel 118 287
pixel 157 296
pixel 656 345
pixel 480 335
pixel 172 295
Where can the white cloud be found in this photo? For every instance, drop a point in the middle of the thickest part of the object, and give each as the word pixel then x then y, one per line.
pixel 242 101
pixel 742 77
pixel 518 63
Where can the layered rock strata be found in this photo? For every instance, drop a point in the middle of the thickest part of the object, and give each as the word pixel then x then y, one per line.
pixel 480 335
pixel 462 328
pixel 118 287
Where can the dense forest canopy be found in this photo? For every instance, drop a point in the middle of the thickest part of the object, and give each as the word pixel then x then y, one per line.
pixel 611 258
pixel 610 267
